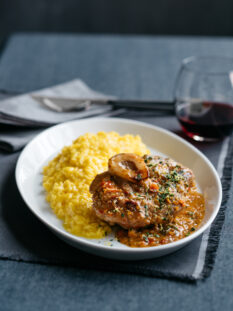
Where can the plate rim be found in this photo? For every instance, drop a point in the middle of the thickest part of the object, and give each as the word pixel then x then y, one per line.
pixel 88 242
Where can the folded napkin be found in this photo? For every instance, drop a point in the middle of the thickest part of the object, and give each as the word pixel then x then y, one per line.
pixel 14 138
pixel 24 110
pixel 24 116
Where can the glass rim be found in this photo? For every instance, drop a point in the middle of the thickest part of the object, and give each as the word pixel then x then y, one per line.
pixel 195 59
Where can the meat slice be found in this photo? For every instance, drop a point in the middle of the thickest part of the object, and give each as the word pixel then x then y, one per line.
pixel 144 191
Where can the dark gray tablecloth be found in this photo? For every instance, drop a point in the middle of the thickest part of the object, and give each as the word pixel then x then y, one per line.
pixel 70 287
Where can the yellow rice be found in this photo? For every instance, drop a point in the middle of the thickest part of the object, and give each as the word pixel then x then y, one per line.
pixel 68 176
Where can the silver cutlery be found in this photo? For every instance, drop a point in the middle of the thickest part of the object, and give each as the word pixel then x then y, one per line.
pixel 61 104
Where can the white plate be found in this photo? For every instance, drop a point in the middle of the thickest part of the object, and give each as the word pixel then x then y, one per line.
pixel 44 147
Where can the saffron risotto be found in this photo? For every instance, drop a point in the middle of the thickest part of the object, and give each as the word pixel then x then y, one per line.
pixel 68 176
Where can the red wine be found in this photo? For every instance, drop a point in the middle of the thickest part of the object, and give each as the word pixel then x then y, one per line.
pixel 209 120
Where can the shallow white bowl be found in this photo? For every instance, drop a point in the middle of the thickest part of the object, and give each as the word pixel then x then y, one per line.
pixel 47 144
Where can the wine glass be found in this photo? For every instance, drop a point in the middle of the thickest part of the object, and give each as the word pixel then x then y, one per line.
pixel 204 97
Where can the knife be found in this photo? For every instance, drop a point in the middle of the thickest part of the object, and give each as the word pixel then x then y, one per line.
pixel 62 104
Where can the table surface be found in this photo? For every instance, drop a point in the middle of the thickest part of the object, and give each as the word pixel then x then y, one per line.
pixel 27 286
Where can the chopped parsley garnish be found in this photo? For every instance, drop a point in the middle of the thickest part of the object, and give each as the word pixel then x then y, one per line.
pixel 122 215
pixel 173 176
pixel 163 196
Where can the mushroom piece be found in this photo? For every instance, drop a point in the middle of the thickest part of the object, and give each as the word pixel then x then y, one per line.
pixel 128 166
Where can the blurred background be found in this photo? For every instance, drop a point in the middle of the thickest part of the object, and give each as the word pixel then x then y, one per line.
pixel 165 17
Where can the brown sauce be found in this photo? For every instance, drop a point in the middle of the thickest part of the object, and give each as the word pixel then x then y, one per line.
pixel 185 222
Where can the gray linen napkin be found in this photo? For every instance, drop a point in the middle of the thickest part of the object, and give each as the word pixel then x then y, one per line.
pixel 23 110
pixel 20 112
pixel 24 238
pixel 15 138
